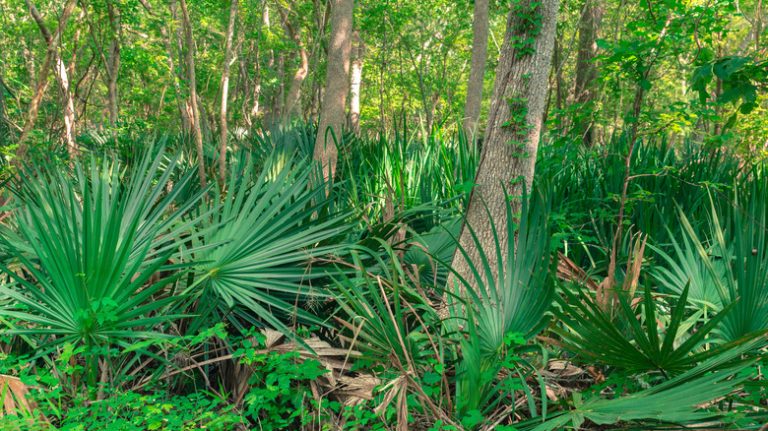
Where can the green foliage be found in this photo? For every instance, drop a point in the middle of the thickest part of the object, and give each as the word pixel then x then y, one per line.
pixel 132 299
pixel 258 246
pixel 91 244
pixel 151 412
pixel 388 318
pixel 516 297
pixel 740 278
pixel 741 79
pixel 675 401
pixel 280 395
pixel 527 26
pixel 273 239
pixel 631 342
pixel 501 309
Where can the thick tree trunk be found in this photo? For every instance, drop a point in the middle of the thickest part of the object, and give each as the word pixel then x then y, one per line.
pixel 113 66
pixel 52 55
pixel 355 84
pixel 512 135
pixel 293 98
pixel 225 93
pixel 336 87
pixel 585 91
pixel 477 68
pixel 197 120
pixel 322 16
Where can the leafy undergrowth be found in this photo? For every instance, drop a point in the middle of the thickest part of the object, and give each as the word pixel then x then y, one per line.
pixel 134 299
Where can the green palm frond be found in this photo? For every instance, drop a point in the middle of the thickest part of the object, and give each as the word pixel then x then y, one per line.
pixel 676 401
pixel 256 250
pixel 89 245
pixel 632 340
pixel 516 301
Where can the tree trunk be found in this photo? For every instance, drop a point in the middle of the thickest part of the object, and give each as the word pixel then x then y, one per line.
pixel 278 106
pixel 196 118
pixel 69 106
pixel 336 87
pixel 185 110
pixel 322 16
pixel 477 68
pixel 5 122
pixel 589 24
pixel 225 93
pixel 256 95
pixel 293 99
pixel 113 66
pixel 185 122
pixel 356 81
pixel 51 56
pixel 511 142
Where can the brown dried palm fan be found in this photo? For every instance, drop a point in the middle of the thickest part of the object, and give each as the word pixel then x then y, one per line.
pixel 15 397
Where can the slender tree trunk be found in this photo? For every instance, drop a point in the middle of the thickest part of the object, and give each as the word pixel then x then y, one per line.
pixel 197 120
pixel 225 92
pixel 5 122
pixel 278 107
pixel 558 65
pixel 293 98
pixel 609 282
pixel 758 25
pixel 185 122
pixel 322 15
pixel 509 150
pixel 182 99
pixel 69 106
pixel 356 81
pixel 34 105
pixel 336 87
pixel 113 66
pixel 477 68
pixel 256 95
pixel 589 24
pixel 51 56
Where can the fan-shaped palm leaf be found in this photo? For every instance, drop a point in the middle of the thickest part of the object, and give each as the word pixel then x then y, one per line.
pixel 260 241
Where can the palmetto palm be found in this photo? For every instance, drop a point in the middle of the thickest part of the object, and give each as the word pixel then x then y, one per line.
pixel 88 245
pixel 514 301
pixel 257 246
pixel 676 401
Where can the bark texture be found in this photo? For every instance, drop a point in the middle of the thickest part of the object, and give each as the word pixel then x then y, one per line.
pixel 293 98
pixel 196 118
pixel 477 68
pixel 511 141
pixel 586 73
pixel 113 65
pixel 336 87
pixel 52 56
pixel 256 95
pixel 225 92
pixel 355 84
pixel 185 121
